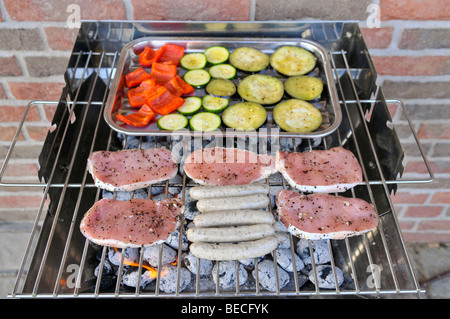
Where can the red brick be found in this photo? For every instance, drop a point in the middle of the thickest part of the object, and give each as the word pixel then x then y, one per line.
pixel 7 133
pixel 61 38
pixel 426 237
pixel 36 90
pixel 409 198
pixel 434 225
pixel 423 211
pixel 3 95
pixel 55 10
pixel 441 198
pixel 415 9
pixel 15 114
pixel 19 201
pixel 377 38
pixel 436 167
pixel 37 133
pixel 406 225
pixel 21 170
pixel 9 66
pixel 434 131
pixel 213 10
pixel 412 65
pixel 50 111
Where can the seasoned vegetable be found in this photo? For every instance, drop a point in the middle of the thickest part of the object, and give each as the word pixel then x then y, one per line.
pixel 197 78
pixel 172 122
pixel 190 106
pixel 297 116
pixel 217 54
pixel 290 60
pixel 262 89
pixel 205 122
pixel 193 61
pixel 249 59
pixel 222 71
pixel 214 104
pixel 221 87
pixel 304 87
pixel 244 116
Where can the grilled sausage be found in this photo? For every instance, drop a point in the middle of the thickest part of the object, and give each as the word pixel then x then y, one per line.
pixel 229 234
pixel 234 217
pixel 243 250
pixel 256 201
pixel 202 192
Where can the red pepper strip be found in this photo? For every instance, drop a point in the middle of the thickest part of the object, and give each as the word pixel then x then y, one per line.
pixel 138 119
pixel 177 86
pixel 172 53
pixel 163 72
pixel 136 77
pixel 163 102
pixel 136 96
pixel 149 56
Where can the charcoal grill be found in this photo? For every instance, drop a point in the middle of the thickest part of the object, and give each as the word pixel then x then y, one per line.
pixel 59 262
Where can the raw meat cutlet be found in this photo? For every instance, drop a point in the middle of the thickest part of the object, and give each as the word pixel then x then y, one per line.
pixel 323 216
pixel 131 169
pixel 131 223
pixel 228 166
pixel 330 171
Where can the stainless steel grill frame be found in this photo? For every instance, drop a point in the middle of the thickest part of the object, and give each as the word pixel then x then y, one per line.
pixel 58 260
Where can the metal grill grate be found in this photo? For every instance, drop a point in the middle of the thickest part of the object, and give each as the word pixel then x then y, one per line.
pixel 59 261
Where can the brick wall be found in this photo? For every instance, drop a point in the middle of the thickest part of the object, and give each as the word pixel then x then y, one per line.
pixel 411 51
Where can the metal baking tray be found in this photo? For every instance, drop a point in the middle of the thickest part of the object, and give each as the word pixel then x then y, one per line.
pixel 327 103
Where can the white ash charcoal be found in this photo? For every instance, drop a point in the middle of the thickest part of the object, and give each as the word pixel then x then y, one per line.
pixel 325 276
pixel 174 240
pixel 250 262
pixel 132 142
pixel 276 178
pixel 190 206
pixel 267 277
pixel 124 195
pixel 290 144
pixel 273 193
pixel 227 274
pixel 169 276
pixel 108 269
pixel 130 278
pixel 280 227
pixel 285 260
pixel 130 255
pixel 205 265
pixel 205 284
pixel 320 250
pixel 176 180
pixel 151 255
pixel 156 190
pixel 284 240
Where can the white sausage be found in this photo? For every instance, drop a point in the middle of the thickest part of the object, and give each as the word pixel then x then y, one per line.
pixel 244 250
pixel 234 217
pixel 257 201
pixel 229 234
pixel 202 192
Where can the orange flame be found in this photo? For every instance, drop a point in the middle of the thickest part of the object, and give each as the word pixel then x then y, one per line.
pixel 152 272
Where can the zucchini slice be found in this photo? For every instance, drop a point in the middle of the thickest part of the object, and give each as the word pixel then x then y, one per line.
pixel 214 104
pixel 190 106
pixel 244 116
pixel 297 116
pixel 290 60
pixel 172 122
pixel 304 87
pixel 249 59
pixel 197 78
pixel 221 87
pixel 262 89
pixel 193 61
pixel 217 54
pixel 205 122
pixel 222 71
